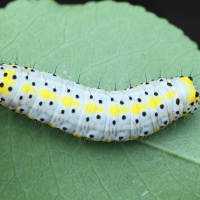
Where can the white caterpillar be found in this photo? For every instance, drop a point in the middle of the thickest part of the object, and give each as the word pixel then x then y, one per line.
pixel 94 113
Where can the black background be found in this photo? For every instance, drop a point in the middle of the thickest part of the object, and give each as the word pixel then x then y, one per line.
pixel 184 14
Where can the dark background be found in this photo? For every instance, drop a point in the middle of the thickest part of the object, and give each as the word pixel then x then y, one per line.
pixel 184 14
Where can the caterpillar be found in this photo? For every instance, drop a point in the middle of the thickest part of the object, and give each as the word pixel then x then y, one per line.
pixel 93 113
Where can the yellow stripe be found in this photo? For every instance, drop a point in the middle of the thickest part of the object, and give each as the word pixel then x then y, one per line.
pixel 117 110
pixel 92 108
pixel 192 97
pixel 134 138
pixel 157 129
pixel 154 102
pixel 7 81
pixel 170 94
pixel 107 140
pixel 137 108
pixel 51 125
pixel 30 116
pixel 186 80
pixel 138 86
pixel 78 135
pixel 46 94
pixel 26 88
pixel 69 101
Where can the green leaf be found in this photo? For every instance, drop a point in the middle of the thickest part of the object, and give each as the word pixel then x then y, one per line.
pixel 112 40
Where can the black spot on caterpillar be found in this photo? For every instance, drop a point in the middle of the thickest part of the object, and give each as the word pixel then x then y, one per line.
pixel 93 113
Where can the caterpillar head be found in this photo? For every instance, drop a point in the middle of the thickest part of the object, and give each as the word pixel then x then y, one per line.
pixel 191 96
